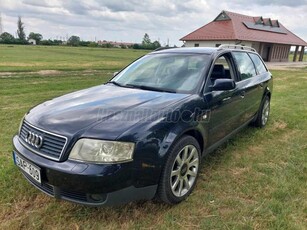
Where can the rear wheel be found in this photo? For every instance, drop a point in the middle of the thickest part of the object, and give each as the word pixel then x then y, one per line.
pixel 180 172
pixel 263 113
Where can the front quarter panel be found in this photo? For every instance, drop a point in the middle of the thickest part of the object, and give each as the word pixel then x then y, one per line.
pixel 155 136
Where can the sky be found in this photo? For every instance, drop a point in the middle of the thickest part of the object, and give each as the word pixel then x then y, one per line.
pixel 128 20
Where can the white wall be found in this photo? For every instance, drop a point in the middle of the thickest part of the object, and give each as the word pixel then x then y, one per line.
pixel 213 43
pixel 268 51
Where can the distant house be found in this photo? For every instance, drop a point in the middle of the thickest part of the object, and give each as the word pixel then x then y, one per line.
pixel 32 41
pixel 116 44
pixel 269 37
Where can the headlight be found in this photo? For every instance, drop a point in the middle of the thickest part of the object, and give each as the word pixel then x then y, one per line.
pixel 99 151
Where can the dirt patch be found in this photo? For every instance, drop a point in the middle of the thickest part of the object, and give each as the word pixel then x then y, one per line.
pixel 48 72
pixel 6 73
pixel 55 73
pixel 237 171
pixel 278 125
pixel 286 65
pixel 19 64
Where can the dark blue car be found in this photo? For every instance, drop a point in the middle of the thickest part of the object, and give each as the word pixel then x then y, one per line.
pixel 143 134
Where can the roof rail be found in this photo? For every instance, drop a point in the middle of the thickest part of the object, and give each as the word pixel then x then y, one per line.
pixel 236 47
pixel 164 48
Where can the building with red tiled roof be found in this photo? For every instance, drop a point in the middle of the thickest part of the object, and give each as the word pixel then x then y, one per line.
pixel 269 37
pixel 116 44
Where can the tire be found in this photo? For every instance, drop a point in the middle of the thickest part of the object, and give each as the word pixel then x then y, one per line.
pixel 180 172
pixel 263 113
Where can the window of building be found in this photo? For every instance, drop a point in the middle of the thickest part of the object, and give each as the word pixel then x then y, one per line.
pixel 245 65
pixel 196 45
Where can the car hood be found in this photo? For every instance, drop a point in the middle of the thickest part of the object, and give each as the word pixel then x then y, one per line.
pixel 105 108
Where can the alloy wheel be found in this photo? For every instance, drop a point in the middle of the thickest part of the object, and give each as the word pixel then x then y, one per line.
pixel 184 171
pixel 265 112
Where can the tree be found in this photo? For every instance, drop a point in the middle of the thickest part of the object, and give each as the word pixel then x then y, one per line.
pixel 146 43
pixel 21 30
pixel 92 44
pixel 73 41
pixel 156 44
pixel 136 46
pixel 7 38
pixel 36 36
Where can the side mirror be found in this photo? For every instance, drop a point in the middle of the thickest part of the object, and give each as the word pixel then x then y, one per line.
pixel 115 73
pixel 223 85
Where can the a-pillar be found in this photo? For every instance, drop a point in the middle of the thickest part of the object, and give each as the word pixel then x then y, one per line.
pixel 302 53
pixel 295 53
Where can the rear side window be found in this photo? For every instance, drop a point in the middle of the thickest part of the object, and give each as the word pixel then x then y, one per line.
pixel 245 65
pixel 258 63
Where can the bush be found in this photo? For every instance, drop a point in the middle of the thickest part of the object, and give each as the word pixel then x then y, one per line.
pixel 92 44
pixel 107 45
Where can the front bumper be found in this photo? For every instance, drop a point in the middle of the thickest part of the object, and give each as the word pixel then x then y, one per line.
pixel 90 184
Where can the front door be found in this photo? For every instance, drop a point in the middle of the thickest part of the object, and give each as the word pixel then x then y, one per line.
pixel 266 52
pixel 223 106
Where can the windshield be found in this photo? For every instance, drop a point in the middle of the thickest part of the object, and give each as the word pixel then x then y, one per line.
pixel 164 72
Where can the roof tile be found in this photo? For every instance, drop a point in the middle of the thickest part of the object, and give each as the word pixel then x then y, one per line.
pixel 235 29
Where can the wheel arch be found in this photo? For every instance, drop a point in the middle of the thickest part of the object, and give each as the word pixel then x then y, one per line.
pixel 197 135
pixel 267 92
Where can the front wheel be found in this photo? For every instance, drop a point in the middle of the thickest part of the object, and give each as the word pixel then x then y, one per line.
pixel 263 113
pixel 180 172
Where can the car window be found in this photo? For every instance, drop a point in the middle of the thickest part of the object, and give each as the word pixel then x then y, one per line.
pixel 174 72
pixel 258 63
pixel 148 70
pixel 245 65
pixel 222 69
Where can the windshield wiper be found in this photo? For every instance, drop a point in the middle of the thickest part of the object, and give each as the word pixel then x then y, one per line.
pixel 151 88
pixel 142 87
pixel 115 83
pixel 121 85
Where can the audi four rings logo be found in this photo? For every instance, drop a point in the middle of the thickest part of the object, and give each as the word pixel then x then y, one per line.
pixel 34 139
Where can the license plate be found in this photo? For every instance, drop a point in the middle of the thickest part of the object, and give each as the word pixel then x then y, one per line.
pixel 30 169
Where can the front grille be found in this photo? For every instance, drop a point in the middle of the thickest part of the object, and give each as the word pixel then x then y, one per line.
pixel 75 196
pixel 78 196
pixel 53 145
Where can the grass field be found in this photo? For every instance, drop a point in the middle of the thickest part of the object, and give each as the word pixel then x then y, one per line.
pixel 256 181
pixel 34 58
pixel 291 57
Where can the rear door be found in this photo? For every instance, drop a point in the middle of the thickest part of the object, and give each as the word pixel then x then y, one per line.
pixel 251 84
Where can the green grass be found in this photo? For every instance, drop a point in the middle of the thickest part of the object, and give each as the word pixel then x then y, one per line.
pixel 255 181
pixel 297 57
pixel 33 58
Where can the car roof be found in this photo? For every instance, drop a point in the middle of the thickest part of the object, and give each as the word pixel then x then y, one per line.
pixel 196 50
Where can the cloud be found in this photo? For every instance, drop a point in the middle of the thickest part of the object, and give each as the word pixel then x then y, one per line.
pixel 129 20
pixel 295 3
pixel 34 3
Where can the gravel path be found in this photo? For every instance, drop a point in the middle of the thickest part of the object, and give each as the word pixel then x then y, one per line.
pixel 286 65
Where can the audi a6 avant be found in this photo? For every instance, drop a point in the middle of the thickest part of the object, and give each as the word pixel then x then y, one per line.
pixel 142 135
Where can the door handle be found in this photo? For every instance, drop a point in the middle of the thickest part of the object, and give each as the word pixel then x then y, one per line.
pixel 242 94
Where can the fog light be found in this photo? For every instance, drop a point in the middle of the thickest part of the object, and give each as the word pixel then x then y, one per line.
pixel 98 197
